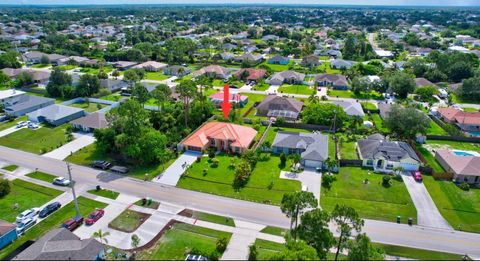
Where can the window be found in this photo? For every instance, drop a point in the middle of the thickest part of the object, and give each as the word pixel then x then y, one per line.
pixel 369 162
pixel 389 166
pixel 212 142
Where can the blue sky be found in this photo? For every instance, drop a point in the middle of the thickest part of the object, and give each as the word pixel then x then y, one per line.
pixel 342 2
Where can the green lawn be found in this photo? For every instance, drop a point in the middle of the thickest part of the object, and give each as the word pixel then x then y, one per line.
pixel 112 97
pixel 90 70
pixel 53 221
pixel 8 124
pixel 415 253
pixel 88 154
pixel 460 208
pixel 277 231
pixel 326 66
pixel 37 141
pixel 266 248
pixel 252 98
pixel 149 204
pixel 264 184
pixel 156 76
pixel 430 158
pixel 435 129
pixel 41 176
pixel 104 193
pixel 213 218
pixel 40 65
pixel 261 87
pixel 373 200
pixel 348 149
pixel 470 109
pixel 218 82
pixel 378 121
pixel 277 67
pixel 368 106
pixel 128 221
pixel 349 94
pixel 27 195
pixel 296 89
pixel 178 241
pixel 88 106
pixel 454 145
pixel 10 167
pixel 66 67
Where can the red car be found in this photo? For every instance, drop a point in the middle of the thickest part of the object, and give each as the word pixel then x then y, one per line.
pixel 73 223
pixel 94 216
pixel 417 176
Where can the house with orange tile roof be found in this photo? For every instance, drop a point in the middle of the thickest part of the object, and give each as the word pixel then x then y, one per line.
pixel 223 136
pixel 466 121
pixel 250 74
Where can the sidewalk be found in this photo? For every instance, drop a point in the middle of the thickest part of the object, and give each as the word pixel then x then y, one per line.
pixel 80 141
pixel 10 130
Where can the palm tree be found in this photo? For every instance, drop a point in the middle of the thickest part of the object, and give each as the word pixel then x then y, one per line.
pixel 295 157
pixel 161 93
pixel 135 241
pixel 313 98
pixel 101 236
pixel 330 164
pixel 187 90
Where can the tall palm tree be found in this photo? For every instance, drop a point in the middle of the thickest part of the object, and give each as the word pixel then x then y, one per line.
pixel 101 236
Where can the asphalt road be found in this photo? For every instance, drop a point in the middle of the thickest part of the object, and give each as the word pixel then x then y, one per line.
pixel 383 232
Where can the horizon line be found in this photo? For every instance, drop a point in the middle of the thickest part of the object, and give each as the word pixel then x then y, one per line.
pixel 231 4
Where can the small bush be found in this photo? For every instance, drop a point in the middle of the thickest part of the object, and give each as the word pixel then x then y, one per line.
pixel 464 186
pixel 221 244
pixel 386 180
pixel 211 154
pixel 199 159
pixel 214 163
pixel 5 187
pixel 252 255
pixel 283 158
pixel 327 181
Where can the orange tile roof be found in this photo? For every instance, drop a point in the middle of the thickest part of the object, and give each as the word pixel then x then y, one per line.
pixel 240 136
pixel 459 116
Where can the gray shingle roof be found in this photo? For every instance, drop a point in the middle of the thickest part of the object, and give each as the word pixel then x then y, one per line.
pixel 315 145
pixel 54 112
pixel 61 244
pixel 352 108
pixel 277 103
pixel 27 101
pixel 376 146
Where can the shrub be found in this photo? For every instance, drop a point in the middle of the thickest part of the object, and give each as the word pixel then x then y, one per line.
pixel 214 163
pixel 5 187
pixel 252 255
pixel 221 244
pixel 386 180
pixel 211 154
pixel 327 181
pixel 283 158
pixel 464 186
pixel 199 159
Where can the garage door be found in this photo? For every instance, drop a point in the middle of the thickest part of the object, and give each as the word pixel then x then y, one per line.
pixel 312 163
pixel 409 167
pixel 194 148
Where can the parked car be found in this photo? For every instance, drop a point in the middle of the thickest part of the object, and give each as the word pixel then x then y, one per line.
pixel 33 125
pixel 49 209
pixel 61 181
pixel 101 164
pixel 94 216
pixel 417 176
pixel 22 124
pixel 119 169
pixel 25 224
pixel 191 257
pixel 73 223
pixel 30 213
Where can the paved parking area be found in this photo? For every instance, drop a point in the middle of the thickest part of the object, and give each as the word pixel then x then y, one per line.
pixel 172 174
pixel 80 141
pixel 427 212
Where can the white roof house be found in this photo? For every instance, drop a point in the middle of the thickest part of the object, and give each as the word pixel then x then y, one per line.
pixel 7 95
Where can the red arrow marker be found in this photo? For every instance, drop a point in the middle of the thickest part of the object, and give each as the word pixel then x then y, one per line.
pixel 226 106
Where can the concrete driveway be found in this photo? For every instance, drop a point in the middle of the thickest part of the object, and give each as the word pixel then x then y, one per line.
pixel 427 212
pixel 309 178
pixel 10 130
pixel 172 174
pixel 80 141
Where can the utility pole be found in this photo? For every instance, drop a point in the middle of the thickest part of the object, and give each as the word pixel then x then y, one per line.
pixel 72 183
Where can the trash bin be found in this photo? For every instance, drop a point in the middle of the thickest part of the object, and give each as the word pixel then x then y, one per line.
pixel 398 219
pixel 410 221
pixel 98 188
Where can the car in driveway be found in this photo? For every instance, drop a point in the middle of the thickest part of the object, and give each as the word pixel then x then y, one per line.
pixel 73 223
pixel 101 164
pixel 61 181
pixel 49 209
pixel 417 176
pixel 94 216
pixel 30 213
pixel 33 125
pixel 25 224
pixel 22 124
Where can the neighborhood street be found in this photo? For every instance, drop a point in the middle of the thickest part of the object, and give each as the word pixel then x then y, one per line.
pixel 379 231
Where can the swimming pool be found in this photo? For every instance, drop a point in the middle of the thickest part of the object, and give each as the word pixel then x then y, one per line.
pixel 463 153
pixel 474 133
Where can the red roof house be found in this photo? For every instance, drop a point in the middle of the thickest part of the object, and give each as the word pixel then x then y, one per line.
pixel 222 136
pixel 467 121
pixel 252 74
